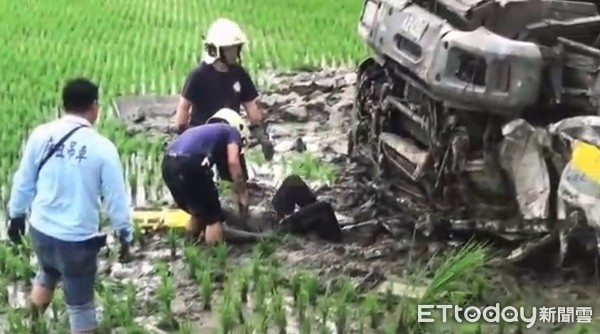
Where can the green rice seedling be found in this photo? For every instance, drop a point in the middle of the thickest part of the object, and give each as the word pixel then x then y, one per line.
pixel 191 256
pixel 389 299
pixel 309 167
pixel 311 285
pixel 138 236
pixel 165 293
pixel 243 281
pixel 4 255
pixel 347 290
pixel 371 308
pixel 255 156
pixel 3 293
pixel 40 326
pixel 306 324
pixel 340 311
pixel 26 248
pixel 260 293
pixel 126 309
pixel 61 318
pixel 108 300
pixel 220 253
pixel 324 308
pixel 459 266
pixel 227 317
pixel 296 285
pixel 579 329
pixel 205 285
pixel 230 293
pixel 13 264
pixel 277 311
pixel 361 321
pixel 265 248
pixel 25 270
pixel 186 328
pixel 225 188
pixel 302 305
pixel 391 326
pixel 134 329
pixel 173 239
pixel 262 320
pixel 17 323
pixel 256 269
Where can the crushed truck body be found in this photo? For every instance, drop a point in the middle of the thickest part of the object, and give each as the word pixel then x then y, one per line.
pixel 473 107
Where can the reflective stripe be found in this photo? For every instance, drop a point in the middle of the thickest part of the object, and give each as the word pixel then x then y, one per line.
pixel 586 159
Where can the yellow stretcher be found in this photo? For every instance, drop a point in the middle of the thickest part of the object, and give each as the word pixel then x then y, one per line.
pixel 586 159
pixel 157 219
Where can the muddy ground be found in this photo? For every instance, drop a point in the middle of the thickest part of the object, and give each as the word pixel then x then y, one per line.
pixel 310 112
pixel 315 108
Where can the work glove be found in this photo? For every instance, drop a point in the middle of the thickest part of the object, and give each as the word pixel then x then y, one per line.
pixel 16 229
pixel 259 132
pixel 268 149
pixel 125 240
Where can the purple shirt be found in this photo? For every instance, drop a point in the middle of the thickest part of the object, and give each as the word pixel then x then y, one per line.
pixel 208 140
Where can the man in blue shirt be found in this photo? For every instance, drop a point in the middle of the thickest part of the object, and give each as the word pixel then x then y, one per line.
pixel 62 180
pixel 186 171
pixel 220 81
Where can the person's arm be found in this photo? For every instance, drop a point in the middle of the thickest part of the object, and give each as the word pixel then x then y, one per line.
pixel 237 176
pixel 115 194
pixel 249 98
pixel 189 93
pixel 24 182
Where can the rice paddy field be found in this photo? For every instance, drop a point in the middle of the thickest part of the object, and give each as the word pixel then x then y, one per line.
pixel 148 47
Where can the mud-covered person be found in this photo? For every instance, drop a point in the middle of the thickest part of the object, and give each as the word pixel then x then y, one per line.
pixel 313 215
pixel 220 81
pixel 66 168
pixel 187 172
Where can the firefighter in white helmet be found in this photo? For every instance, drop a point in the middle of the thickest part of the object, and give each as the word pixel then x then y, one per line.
pixel 220 81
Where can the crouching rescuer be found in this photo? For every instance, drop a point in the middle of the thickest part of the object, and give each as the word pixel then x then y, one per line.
pixel 187 172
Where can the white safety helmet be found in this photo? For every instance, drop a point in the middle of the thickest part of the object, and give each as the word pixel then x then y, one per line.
pixel 222 33
pixel 234 119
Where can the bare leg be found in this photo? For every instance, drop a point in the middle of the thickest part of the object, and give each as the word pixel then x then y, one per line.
pixel 41 297
pixel 213 233
pixel 192 229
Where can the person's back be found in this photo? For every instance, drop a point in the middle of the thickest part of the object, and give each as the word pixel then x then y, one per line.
pixel 208 141
pixel 66 168
pixel 66 204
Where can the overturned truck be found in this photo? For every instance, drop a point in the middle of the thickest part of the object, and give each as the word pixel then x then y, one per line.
pixel 472 107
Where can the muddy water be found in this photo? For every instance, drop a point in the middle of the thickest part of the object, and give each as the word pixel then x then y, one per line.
pixel 310 112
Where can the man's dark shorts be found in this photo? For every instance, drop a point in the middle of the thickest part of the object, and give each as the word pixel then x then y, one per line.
pixel 192 187
pixel 75 263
